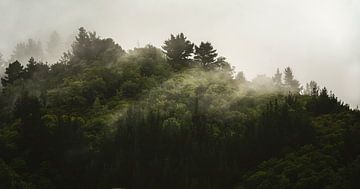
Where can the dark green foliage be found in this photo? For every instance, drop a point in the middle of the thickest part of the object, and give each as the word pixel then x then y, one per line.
pixel 319 165
pixel 90 50
pixel 105 118
pixel 13 72
pixel 282 125
pixel 205 55
pixel 178 50
pixel 325 103
pixel 35 70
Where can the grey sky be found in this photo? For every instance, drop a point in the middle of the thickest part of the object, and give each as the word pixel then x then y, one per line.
pixel 319 39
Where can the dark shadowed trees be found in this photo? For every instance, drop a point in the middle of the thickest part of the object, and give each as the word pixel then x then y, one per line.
pixel 178 50
pixel 89 48
pixel 30 68
pixel 35 70
pixel 105 118
pixel 12 73
pixel 205 55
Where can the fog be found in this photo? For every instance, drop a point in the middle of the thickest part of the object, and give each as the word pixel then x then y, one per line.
pixel 319 39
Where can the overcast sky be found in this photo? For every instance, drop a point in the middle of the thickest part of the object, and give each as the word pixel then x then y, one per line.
pixel 319 39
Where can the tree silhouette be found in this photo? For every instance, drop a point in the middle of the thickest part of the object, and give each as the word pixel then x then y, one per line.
pixel 292 84
pixel 205 55
pixel 178 51
pixel 30 68
pixel 311 89
pixel 89 48
pixel 35 68
pixel 13 72
pixel 97 120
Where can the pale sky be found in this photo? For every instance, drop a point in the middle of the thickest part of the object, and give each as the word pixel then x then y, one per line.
pixel 319 39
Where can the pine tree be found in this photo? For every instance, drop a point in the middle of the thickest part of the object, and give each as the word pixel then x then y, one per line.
pixel 291 84
pixel 30 68
pixel 205 55
pixel 34 68
pixel 288 76
pixel 81 45
pixel 311 89
pixel 277 78
pixel 13 72
pixel 178 51
pixel 89 49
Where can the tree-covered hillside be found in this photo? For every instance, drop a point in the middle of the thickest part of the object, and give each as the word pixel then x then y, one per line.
pixel 175 117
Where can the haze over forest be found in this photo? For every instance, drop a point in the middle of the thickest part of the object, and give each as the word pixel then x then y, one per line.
pixel 179 94
pixel 318 39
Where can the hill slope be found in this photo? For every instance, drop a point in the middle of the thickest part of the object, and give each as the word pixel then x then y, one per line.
pixel 102 117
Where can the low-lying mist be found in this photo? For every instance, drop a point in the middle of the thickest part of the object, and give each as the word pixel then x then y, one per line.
pixel 176 115
pixel 319 40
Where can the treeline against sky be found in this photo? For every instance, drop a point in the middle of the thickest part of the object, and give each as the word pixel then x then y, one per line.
pixel 175 117
pixel 48 51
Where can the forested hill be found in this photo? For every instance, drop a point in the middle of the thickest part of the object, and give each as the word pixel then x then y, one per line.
pixel 176 117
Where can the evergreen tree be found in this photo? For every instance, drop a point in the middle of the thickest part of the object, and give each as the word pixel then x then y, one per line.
pixel 13 72
pixel 80 48
pixel 89 48
pixel 277 79
pixel 288 76
pixel 178 51
pixel 311 89
pixel 291 84
pixel 35 68
pixel 24 50
pixel 205 55
pixel 137 124
pixel 30 68
pixel 31 131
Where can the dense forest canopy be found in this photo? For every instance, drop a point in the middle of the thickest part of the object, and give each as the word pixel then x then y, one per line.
pixel 175 117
